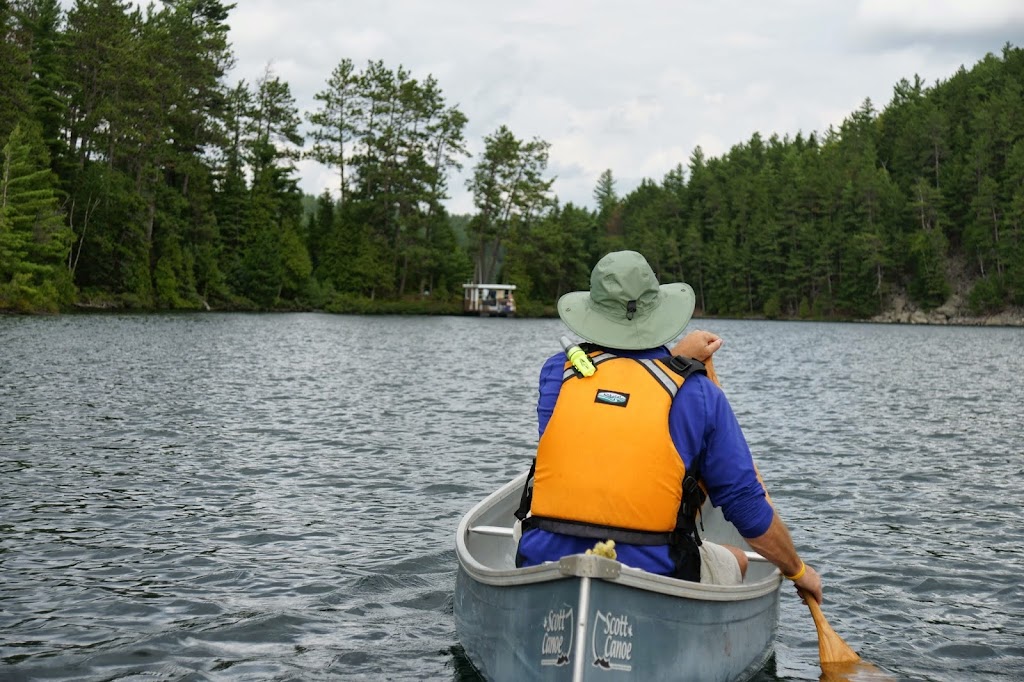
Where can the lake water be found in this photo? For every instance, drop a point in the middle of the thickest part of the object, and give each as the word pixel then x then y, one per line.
pixel 275 497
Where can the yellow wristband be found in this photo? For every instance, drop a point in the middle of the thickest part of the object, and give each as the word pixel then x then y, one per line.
pixel 799 574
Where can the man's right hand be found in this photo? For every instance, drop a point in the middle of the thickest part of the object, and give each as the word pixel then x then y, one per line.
pixel 809 584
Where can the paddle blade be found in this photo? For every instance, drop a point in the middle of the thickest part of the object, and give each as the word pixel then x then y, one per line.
pixel 831 647
pixel 859 671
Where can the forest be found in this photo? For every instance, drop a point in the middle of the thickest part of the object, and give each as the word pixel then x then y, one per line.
pixel 134 176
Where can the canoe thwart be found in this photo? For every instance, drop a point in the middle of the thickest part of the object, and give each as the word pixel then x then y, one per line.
pixel 590 566
pixel 498 531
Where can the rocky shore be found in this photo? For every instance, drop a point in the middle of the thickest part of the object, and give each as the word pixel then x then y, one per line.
pixel 953 312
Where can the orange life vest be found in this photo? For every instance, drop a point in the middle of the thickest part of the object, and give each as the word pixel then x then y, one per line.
pixel 606 458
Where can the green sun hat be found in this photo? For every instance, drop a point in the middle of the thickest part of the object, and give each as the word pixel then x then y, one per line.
pixel 626 308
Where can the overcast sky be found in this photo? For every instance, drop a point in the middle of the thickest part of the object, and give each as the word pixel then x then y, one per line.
pixel 627 86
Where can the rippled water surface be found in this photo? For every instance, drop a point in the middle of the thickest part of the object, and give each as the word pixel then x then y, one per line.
pixel 274 497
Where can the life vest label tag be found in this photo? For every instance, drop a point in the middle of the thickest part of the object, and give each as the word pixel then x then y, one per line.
pixel 615 398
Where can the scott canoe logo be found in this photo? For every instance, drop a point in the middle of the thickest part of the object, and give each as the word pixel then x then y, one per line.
pixel 611 398
pixel 557 642
pixel 611 643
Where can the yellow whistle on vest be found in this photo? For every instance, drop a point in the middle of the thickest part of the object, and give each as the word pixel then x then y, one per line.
pixel 579 359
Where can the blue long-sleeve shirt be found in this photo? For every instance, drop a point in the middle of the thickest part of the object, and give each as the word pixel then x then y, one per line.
pixel 702 425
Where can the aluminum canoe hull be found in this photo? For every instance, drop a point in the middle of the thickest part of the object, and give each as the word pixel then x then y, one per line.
pixel 590 618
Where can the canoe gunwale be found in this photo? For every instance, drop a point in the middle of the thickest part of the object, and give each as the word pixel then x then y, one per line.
pixel 581 565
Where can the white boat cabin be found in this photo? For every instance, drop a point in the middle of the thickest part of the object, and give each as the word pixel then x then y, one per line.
pixel 489 299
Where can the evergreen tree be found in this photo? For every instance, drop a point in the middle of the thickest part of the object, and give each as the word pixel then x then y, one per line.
pixel 928 246
pixel 42 27
pixel 550 256
pixel 321 228
pixel 509 190
pixel 34 242
pixel 407 140
pixel 335 122
pixel 609 214
pixel 15 74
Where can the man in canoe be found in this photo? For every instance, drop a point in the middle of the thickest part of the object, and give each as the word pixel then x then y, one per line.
pixel 624 444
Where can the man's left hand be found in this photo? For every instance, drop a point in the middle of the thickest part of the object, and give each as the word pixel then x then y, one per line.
pixel 698 344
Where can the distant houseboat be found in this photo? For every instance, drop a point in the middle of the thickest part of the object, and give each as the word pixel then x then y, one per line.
pixel 489 299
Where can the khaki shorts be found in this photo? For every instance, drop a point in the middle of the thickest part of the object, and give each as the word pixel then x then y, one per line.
pixel 718 566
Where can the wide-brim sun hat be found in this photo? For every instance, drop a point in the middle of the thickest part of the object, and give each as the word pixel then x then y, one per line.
pixel 626 307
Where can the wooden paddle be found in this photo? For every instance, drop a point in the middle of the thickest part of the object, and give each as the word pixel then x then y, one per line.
pixel 838 660
pixel 840 663
pixel 831 647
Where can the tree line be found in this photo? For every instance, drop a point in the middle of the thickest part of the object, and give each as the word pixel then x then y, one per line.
pixel 921 200
pixel 134 175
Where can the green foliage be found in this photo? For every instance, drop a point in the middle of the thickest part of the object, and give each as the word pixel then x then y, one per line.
pixel 167 287
pixel 136 173
pixel 296 267
pixel 393 139
pixel 335 122
pixel 110 251
pixel 551 256
pixel 16 74
pixel 259 272
pixel 804 309
pixel 351 304
pixel 928 285
pixel 510 192
pixel 988 295
pixel 34 241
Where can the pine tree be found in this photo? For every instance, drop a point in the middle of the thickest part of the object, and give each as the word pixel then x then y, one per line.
pixel 508 187
pixel 34 242
pixel 42 27
pixel 335 122
pixel 15 73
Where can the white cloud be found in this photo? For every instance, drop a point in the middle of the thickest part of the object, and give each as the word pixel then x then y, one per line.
pixel 937 17
pixel 633 87
pixel 746 40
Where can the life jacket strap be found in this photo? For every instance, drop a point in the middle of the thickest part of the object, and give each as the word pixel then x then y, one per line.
pixel 596 531
pixel 527 497
pixel 684 367
pixel 689 508
pixel 684 545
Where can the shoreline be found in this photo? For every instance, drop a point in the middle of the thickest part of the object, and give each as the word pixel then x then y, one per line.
pixel 953 312
pixel 1005 319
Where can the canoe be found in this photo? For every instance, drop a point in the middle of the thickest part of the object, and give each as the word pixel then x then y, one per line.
pixel 587 617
